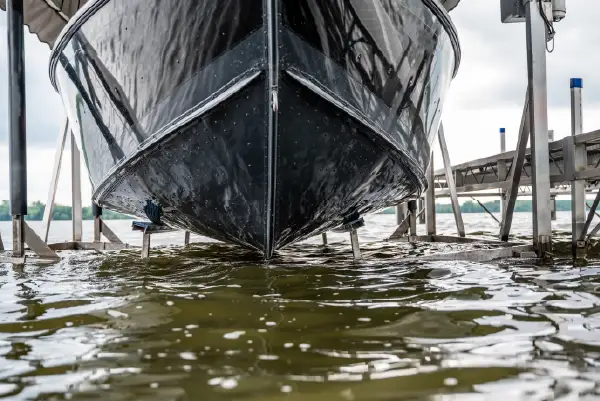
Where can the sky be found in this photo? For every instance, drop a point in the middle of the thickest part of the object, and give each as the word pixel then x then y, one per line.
pixel 487 93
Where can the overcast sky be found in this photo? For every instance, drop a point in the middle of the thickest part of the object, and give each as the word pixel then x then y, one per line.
pixel 487 93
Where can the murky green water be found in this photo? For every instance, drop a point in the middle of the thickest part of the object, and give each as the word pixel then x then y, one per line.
pixel 214 323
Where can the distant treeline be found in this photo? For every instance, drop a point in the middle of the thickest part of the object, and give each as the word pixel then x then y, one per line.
pixel 562 205
pixel 35 211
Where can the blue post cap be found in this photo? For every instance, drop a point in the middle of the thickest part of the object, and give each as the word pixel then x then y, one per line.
pixel 576 83
pixel 502 130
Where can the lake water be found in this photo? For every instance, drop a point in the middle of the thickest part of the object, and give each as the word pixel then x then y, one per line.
pixel 212 322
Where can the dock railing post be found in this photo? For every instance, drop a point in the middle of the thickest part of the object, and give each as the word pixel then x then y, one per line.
pixel 17 123
pixel 430 199
pixel 460 227
pixel 538 109
pixel 502 171
pixel 578 214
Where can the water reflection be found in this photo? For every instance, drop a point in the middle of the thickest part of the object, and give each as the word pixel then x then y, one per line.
pixel 209 323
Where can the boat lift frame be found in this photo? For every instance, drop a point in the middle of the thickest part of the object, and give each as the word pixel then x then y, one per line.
pixel 547 163
pixel 534 125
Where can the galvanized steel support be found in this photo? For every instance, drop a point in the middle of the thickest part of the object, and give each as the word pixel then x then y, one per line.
pixel 502 171
pixel 76 204
pixel 97 212
pixel 412 214
pixel 460 227
pixel 18 235
pixel 430 199
pixel 49 209
pixel 17 123
pixel 146 245
pixel 579 154
pixel 538 110
pixel 515 173
pixel 401 212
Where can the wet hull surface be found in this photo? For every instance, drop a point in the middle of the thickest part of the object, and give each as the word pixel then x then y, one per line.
pixel 258 123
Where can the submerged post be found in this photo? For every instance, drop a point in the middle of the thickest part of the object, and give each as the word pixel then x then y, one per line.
pixel 355 244
pixel 502 171
pixel 17 124
pixel 430 199
pixel 578 214
pixel 538 109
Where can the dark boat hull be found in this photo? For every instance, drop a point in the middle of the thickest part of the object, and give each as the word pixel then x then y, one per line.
pixel 255 122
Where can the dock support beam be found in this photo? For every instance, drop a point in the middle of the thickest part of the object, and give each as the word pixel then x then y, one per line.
pixel 430 199
pixel 17 124
pixel 515 172
pixel 502 171
pixel 460 227
pixel 186 238
pixel 538 109
pixel 579 163
pixel 324 238
pixel 421 204
pixel 49 209
pixel 77 206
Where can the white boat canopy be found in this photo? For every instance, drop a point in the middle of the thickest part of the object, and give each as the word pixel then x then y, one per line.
pixel 46 18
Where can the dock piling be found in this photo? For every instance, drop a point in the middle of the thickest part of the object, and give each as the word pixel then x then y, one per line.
pixel 538 109
pixel 17 123
pixel 578 204
pixel 412 213
pixel 97 212
pixel 355 244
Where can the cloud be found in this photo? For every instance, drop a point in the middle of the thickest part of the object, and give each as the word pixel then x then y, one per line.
pixel 489 89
